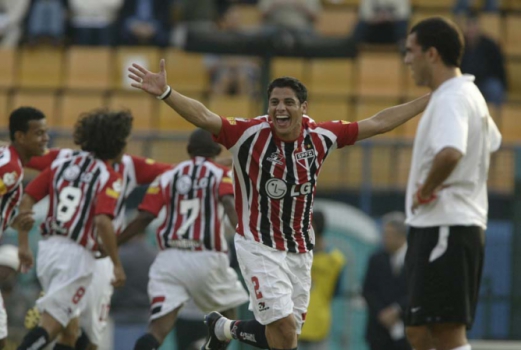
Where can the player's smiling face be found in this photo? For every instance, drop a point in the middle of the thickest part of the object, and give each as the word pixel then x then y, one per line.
pixel 36 138
pixel 285 112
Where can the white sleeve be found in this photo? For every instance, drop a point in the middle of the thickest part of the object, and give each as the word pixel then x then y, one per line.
pixel 494 136
pixel 451 118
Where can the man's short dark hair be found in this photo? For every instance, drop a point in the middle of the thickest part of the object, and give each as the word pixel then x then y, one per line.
pixel 292 83
pixel 103 132
pixel 20 118
pixel 201 144
pixel 319 223
pixel 444 36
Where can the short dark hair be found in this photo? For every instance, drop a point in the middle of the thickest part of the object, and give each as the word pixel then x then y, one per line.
pixel 103 132
pixel 293 83
pixel 20 118
pixel 444 36
pixel 397 220
pixel 201 144
pixel 319 223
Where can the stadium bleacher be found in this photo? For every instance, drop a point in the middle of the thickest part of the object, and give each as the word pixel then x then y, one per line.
pixel 64 83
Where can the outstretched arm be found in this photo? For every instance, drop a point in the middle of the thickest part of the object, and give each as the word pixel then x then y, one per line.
pixel 390 118
pixel 137 225
pixel 191 110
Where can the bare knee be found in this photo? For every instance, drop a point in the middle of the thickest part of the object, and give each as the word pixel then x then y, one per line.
pixel 70 334
pixel 160 327
pixel 448 336
pixel 283 331
pixel 420 338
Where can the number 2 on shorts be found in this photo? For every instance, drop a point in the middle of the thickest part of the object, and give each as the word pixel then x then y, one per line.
pixel 256 287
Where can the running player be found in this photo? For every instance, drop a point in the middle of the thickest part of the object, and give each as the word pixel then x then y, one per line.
pixel 134 171
pixel 29 138
pixel 277 159
pixel 83 191
pixel 193 262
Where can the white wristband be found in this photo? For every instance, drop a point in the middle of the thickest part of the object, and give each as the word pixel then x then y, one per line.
pixel 165 94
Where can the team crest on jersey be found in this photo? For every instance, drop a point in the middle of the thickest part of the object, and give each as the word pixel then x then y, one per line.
pixel 308 155
pixel 72 173
pixel 183 184
pixel 276 158
pixel 10 178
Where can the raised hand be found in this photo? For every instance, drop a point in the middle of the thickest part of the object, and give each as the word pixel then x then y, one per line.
pixel 153 83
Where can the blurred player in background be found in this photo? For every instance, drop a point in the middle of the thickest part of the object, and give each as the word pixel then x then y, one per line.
pixel 193 262
pixel 29 138
pixel 446 198
pixel 134 171
pixel 83 192
pixel 277 159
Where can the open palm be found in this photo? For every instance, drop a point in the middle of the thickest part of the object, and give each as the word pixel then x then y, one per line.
pixel 153 83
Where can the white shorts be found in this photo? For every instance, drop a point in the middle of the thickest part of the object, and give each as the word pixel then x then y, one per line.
pixel 178 275
pixel 3 319
pixel 279 282
pixel 64 269
pixel 93 320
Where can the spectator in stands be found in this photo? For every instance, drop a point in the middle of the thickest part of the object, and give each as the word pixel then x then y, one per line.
pixel 382 21
pixel 385 289
pixel 47 21
pixel 203 13
pixel 462 6
pixel 93 21
pixel 130 306
pixel 145 22
pixel 12 13
pixel 232 75
pixel 326 273
pixel 293 15
pixel 483 59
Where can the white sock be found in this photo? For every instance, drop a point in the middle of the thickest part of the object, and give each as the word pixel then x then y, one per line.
pixel 223 329
pixel 464 347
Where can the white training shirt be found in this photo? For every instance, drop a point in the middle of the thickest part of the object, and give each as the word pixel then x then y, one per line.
pixel 457 116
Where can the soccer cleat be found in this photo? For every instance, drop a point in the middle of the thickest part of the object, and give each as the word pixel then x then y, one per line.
pixel 212 342
pixel 32 316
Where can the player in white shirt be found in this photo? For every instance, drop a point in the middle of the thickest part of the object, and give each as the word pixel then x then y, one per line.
pixel 446 199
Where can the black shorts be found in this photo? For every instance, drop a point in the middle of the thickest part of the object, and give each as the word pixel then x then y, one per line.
pixel 443 267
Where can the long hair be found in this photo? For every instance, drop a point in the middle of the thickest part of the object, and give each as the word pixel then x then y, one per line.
pixel 103 132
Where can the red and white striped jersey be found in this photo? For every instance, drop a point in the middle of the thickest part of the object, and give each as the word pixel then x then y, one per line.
pixel 79 188
pixel 11 176
pixel 134 171
pixel 275 181
pixel 191 193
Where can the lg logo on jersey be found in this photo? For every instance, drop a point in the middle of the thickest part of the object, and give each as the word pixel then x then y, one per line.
pixel 277 188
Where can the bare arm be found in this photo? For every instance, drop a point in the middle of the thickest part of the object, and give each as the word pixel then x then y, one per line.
pixel 390 118
pixel 229 208
pixel 105 229
pixel 23 224
pixel 442 166
pixel 191 110
pixel 137 225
